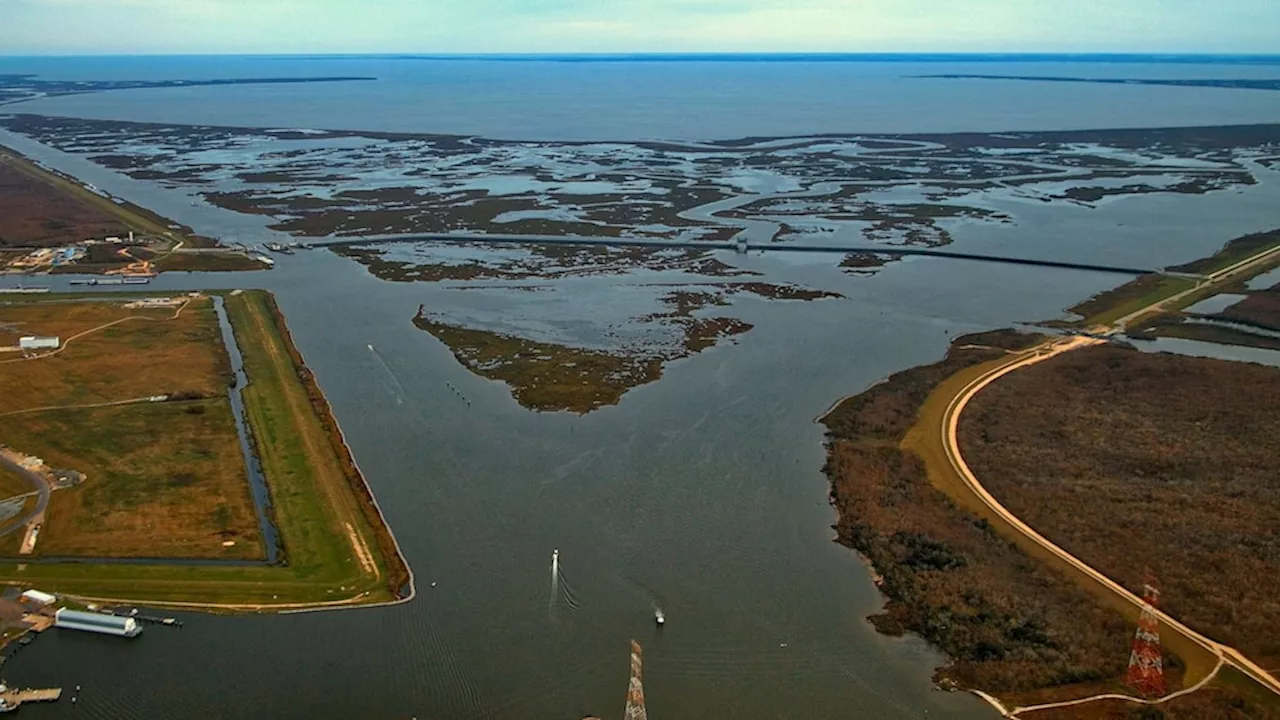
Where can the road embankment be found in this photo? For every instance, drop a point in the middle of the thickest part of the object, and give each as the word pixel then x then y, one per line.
pixel 1009 624
pixel 991 610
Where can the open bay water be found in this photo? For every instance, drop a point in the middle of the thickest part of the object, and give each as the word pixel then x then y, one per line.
pixel 629 100
pixel 701 493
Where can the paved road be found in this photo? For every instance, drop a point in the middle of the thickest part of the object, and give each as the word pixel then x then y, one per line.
pixel 41 489
pixel 1213 278
pixel 951 419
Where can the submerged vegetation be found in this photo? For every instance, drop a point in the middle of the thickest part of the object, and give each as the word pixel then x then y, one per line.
pixel 544 376
pixel 548 376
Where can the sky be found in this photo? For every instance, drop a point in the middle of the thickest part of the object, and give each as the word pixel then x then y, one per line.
pixel 44 27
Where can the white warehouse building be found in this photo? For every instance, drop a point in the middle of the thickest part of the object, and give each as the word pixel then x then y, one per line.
pixel 38 597
pixel 33 342
pixel 96 622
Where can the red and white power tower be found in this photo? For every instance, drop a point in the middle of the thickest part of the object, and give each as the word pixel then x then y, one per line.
pixel 635 691
pixel 1146 664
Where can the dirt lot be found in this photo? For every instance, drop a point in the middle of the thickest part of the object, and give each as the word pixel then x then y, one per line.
pixel 1175 462
pixel 165 479
pixel 165 355
pixel 34 213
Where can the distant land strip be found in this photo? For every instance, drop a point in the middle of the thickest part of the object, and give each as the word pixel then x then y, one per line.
pixel 1238 84
pixel 20 87
pixel 1110 58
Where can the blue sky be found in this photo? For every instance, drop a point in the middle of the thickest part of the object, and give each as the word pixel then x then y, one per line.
pixel 463 26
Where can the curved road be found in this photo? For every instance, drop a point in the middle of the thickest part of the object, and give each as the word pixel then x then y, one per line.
pixel 42 494
pixel 950 421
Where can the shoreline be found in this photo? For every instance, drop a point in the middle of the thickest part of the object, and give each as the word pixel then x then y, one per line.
pixel 356 478
pixel 739 144
pixel 213 256
pixel 880 441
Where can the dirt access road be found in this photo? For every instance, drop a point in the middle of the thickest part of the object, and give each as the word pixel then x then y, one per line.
pixel 950 419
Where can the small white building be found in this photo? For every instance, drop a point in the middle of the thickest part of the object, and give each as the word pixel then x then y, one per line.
pixel 38 598
pixel 35 342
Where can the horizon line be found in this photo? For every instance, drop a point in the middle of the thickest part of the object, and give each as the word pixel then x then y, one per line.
pixel 684 55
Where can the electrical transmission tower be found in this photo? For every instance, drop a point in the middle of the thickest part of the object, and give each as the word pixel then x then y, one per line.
pixel 635 692
pixel 1146 666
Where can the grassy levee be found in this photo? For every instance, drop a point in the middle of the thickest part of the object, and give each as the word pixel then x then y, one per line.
pixel 1159 295
pixel 333 553
pixel 207 262
pixel 1109 306
pixel 315 438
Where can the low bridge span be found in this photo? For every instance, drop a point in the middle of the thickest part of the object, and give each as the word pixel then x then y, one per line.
pixel 685 245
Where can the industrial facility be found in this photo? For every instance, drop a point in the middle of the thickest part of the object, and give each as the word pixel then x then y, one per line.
pixel 97 622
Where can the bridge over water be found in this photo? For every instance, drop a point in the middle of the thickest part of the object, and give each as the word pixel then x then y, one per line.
pixel 734 246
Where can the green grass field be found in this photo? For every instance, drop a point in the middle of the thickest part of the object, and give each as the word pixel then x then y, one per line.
pixel 1111 305
pixel 332 549
pixel 207 262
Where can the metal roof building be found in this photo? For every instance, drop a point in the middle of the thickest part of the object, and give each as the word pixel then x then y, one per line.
pixel 38 597
pixel 97 622
pixel 32 342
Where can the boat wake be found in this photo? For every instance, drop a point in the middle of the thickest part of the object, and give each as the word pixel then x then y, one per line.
pixel 398 390
pixel 561 592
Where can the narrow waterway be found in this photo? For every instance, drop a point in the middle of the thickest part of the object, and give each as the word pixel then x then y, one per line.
pixel 252 466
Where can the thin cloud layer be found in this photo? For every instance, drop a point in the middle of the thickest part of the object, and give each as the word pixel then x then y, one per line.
pixel 447 26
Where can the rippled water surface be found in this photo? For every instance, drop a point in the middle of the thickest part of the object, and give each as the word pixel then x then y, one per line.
pixel 700 493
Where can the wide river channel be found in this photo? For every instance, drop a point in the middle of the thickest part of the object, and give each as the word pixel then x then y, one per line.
pixel 701 494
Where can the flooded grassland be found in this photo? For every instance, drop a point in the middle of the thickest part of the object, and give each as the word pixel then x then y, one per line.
pixel 881 190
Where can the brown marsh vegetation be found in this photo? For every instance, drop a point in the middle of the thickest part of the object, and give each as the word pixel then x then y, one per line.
pixel 1008 623
pixel 35 213
pixel 1135 461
